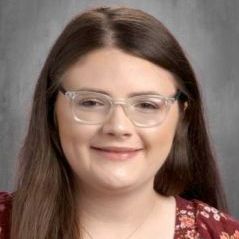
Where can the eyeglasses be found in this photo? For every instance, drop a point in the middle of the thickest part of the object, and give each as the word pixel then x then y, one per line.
pixel 90 107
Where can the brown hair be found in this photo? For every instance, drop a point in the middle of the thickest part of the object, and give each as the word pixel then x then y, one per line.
pixel 43 205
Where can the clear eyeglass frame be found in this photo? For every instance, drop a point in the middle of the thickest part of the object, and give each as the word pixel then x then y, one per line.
pixel 168 101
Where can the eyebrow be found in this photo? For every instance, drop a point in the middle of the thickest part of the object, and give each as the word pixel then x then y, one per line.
pixel 130 95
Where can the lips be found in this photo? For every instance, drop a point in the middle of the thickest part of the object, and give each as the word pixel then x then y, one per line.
pixel 117 149
pixel 116 153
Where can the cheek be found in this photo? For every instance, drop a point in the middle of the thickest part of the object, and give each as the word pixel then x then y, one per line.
pixel 161 143
pixel 74 138
pixel 75 143
pixel 160 139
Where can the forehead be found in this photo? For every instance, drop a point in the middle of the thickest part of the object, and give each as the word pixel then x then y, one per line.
pixel 118 73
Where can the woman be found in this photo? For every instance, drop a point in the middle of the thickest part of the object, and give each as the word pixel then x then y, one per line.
pixel 117 145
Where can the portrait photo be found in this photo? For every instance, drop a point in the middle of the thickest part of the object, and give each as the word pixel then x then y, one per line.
pixel 119 119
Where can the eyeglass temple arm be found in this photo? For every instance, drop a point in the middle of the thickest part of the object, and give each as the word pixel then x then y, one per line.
pixel 180 96
pixel 62 90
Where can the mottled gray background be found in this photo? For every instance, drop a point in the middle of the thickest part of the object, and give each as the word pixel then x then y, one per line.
pixel 208 31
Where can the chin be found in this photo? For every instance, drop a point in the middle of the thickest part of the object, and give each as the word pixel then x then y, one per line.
pixel 117 183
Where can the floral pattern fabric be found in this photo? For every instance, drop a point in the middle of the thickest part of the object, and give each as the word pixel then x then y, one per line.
pixel 194 220
pixel 5 209
pixel 197 220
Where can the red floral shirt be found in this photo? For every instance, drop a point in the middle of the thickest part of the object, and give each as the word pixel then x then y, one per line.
pixel 197 220
pixel 194 220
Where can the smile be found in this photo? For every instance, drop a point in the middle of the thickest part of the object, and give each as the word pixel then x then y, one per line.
pixel 116 155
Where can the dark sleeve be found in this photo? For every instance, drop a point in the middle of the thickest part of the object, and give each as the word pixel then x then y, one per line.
pixel 5 211
pixel 212 223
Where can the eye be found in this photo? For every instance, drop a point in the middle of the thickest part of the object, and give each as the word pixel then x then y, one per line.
pixel 89 103
pixel 148 106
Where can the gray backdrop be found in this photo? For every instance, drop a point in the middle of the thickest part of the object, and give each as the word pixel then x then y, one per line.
pixel 208 31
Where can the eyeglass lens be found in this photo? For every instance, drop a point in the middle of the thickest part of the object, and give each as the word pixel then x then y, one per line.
pixel 94 108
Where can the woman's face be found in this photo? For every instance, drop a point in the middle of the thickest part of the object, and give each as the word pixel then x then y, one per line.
pixel 119 74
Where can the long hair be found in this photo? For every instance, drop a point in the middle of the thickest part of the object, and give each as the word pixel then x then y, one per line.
pixel 43 205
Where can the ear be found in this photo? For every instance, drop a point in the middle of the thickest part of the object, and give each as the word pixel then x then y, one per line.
pixel 185 106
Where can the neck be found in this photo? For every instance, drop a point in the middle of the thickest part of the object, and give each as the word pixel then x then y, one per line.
pixel 125 214
pixel 116 208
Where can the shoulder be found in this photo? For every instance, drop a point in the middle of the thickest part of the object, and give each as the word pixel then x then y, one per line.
pixel 5 212
pixel 199 220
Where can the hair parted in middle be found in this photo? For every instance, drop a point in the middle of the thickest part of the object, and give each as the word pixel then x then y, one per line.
pixel 44 174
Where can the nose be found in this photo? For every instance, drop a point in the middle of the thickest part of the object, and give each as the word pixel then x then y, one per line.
pixel 118 124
